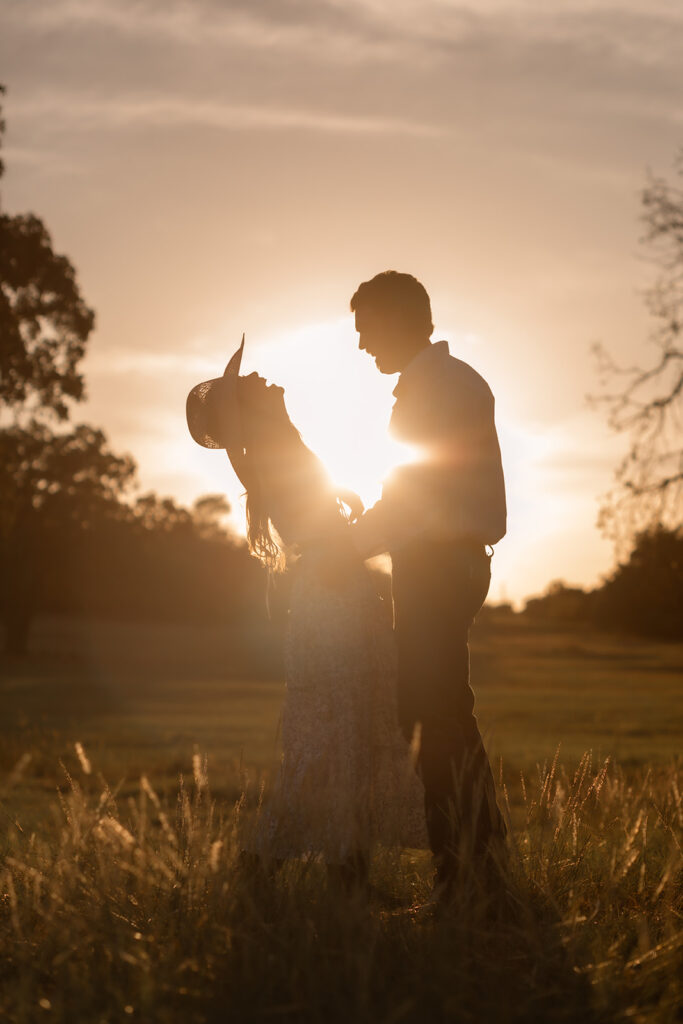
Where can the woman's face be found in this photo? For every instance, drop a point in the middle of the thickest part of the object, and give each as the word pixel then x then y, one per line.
pixel 262 405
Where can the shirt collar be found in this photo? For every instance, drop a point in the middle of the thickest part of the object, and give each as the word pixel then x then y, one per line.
pixel 419 364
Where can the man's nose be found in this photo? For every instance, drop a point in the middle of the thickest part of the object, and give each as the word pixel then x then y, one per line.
pixel 361 344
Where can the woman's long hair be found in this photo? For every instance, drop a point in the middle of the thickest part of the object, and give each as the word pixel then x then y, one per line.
pixel 261 542
pixel 286 482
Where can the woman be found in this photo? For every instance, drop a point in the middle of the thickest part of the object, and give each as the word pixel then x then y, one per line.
pixel 346 777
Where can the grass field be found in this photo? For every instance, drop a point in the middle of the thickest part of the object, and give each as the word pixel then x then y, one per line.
pixel 143 698
pixel 122 899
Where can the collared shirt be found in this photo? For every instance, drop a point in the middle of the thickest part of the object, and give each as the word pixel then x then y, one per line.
pixel 455 488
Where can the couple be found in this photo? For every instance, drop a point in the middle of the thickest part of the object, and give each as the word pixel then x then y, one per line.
pixel 356 690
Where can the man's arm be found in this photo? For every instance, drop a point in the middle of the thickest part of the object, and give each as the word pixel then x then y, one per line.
pixel 400 515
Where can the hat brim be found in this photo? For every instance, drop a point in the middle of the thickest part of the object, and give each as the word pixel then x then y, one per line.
pixel 212 409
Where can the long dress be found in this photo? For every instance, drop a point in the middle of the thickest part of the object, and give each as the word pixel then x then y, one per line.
pixel 346 778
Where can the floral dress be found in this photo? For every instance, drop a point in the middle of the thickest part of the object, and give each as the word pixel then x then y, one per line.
pixel 346 778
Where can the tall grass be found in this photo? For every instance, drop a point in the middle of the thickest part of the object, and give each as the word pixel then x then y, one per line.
pixel 139 908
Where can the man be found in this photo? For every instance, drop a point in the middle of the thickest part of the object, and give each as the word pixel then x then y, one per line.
pixel 436 517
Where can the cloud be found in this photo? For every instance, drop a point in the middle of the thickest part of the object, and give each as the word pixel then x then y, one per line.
pixel 38 158
pixel 359 29
pixel 515 74
pixel 87 114
pixel 117 360
pixel 343 33
pixel 427 32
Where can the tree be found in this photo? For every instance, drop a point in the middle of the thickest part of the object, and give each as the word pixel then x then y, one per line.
pixel 647 401
pixel 208 513
pixel 69 540
pixel 560 603
pixel 54 488
pixel 645 594
pixel 44 321
pixel 51 484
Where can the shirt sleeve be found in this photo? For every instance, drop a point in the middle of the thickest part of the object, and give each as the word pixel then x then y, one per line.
pixel 397 518
pixel 455 490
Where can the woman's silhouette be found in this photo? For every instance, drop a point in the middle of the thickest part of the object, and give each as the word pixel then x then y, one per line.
pixel 346 777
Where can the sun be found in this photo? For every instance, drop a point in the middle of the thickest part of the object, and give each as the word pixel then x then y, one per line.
pixel 337 399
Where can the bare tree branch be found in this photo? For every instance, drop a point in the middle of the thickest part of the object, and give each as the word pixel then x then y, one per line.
pixel 646 402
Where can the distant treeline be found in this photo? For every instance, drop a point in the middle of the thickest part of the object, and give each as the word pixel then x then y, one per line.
pixel 71 542
pixel 643 595
pixel 159 561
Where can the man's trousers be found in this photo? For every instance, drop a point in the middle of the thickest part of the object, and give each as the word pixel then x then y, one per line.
pixel 437 590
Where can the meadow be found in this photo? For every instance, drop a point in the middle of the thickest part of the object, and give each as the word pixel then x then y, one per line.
pixel 131 763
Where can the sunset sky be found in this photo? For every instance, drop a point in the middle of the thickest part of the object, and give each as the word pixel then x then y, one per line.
pixel 219 167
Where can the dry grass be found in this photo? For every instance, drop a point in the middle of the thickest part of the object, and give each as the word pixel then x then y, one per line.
pixel 136 908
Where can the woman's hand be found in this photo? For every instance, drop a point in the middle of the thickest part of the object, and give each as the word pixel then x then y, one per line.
pixel 353 502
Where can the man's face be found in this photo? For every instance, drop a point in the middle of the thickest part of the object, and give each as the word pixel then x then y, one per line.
pixel 381 336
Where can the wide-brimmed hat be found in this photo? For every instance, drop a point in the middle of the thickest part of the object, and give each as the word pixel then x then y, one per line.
pixel 213 413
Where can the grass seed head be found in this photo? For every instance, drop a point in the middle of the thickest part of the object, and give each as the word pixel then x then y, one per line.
pixel 83 758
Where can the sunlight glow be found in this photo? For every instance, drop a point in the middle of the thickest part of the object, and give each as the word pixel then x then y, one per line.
pixel 336 398
pixel 342 406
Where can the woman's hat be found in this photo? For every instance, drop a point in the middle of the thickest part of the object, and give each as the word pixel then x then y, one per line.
pixel 213 413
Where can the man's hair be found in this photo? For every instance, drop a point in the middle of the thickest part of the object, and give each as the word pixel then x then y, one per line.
pixel 396 293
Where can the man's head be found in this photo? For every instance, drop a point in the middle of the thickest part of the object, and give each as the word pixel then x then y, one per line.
pixel 393 319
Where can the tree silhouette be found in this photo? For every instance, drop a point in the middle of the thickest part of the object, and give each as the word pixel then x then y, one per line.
pixel 560 603
pixel 646 402
pixel 207 513
pixel 70 544
pixel 71 540
pixel 44 322
pixel 54 487
pixel 645 594
pixel 51 484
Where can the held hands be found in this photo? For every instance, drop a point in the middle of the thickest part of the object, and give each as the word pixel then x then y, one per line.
pixel 353 503
pixel 341 560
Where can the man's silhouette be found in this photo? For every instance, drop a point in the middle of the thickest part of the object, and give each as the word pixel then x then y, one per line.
pixel 436 518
